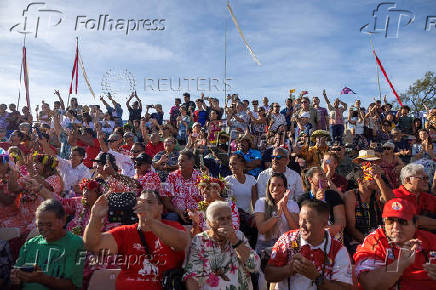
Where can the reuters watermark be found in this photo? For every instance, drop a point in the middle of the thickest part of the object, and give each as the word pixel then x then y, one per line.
pixel 187 84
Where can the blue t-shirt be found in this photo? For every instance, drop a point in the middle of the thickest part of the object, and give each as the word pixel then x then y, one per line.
pixel 252 155
pixel 202 117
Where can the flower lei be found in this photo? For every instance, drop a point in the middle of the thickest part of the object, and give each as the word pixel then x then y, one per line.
pixel 78 230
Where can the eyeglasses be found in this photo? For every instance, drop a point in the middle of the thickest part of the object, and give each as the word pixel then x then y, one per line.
pixel 278 157
pixel 336 149
pixel 135 151
pixel 425 177
pixel 390 221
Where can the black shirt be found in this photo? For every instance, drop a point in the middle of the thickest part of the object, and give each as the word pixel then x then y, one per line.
pixel 134 114
pixel 332 198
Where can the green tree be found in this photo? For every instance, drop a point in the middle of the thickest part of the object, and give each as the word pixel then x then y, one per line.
pixel 422 92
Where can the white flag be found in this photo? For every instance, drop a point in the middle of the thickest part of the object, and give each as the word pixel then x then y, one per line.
pixel 242 35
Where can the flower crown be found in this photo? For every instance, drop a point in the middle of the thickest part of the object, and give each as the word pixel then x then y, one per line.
pixel 206 180
pixel 89 184
pixel 45 159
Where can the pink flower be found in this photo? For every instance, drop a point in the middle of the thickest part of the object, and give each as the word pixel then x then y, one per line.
pixel 213 280
pixel 233 268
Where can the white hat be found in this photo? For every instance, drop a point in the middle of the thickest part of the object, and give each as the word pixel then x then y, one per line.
pixel 367 155
pixel 305 115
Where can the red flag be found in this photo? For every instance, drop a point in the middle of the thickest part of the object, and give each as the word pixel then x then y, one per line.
pixel 75 70
pixel 387 79
pixel 26 77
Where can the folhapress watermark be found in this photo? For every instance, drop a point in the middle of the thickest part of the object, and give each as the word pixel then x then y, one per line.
pixel 387 18
pixel 107 23
pixel 38 13
pixel 188 84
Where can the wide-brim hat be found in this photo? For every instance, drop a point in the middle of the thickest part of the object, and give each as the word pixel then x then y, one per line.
pixel 248 139
pixel 320 133
pixel 367 155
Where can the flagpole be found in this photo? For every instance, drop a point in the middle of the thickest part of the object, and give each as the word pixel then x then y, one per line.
pixel 21 72
pixel 376 66
pixel 225 59
pixel 69 94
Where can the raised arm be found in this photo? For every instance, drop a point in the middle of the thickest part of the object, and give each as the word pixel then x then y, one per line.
pixel 93 238
pixel 128 101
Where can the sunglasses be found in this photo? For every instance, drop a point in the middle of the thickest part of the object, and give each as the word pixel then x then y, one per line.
pixel 335 149
pixel 390 221
pixel 278 157
pixel 387 148
pixel 137 151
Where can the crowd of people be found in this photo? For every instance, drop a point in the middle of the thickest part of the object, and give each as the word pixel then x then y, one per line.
pixel 218 196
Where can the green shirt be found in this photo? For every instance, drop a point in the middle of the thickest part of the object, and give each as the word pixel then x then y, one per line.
pixel 64 258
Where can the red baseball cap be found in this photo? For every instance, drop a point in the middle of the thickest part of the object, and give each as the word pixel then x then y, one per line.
pixel 399 208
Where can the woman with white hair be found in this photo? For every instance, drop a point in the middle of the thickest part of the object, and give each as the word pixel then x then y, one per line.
pixel 414 188
pixel 220 257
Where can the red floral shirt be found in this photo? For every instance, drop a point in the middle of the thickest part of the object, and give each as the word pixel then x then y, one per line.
pixel 184 192
pixel 149 181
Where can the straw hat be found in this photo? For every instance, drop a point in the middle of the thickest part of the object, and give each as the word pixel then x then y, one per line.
pixel 319 133
pixel 367 155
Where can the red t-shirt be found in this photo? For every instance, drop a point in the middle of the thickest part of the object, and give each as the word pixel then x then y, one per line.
pixel 152 150
pixel 425 205
pixel 375 252
pixel 144 274
pixel 91 151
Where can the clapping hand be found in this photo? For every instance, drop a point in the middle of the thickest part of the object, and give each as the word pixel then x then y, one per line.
pixel 282 205
pixel 304 267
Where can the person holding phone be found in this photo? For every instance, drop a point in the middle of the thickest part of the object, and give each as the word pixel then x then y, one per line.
pixel 55 244
pixel 165 241
pixel 318 188
pixel 397 254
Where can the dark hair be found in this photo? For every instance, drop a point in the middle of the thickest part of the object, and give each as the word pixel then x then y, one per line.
pixel 79 150
pixel 89 131
pixel 53 206
pixel 139 144
pixel 319 206
pixel 270 204
pixel 178 99
pixel 155 193
pixel 187 95
pixel 187 153
pixel 309 174
pixel 239 156
pixel 430 142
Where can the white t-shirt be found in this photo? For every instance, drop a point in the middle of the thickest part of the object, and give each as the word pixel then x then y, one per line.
pixel 283 226
pixel 295 183
pixel 242 192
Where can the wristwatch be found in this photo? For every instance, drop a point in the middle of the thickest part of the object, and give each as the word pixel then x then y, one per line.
pixel 237 244
pixel 319 281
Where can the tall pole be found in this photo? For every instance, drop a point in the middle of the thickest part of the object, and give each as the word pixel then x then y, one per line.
pixel 225 58
pixel 21 72
pixel 77 46
pixel 376 66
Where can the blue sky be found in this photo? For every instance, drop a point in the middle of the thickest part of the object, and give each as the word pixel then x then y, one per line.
pixel 307 45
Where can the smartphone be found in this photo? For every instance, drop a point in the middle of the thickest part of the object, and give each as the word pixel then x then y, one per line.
pixel 28 269
pixel 432 257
